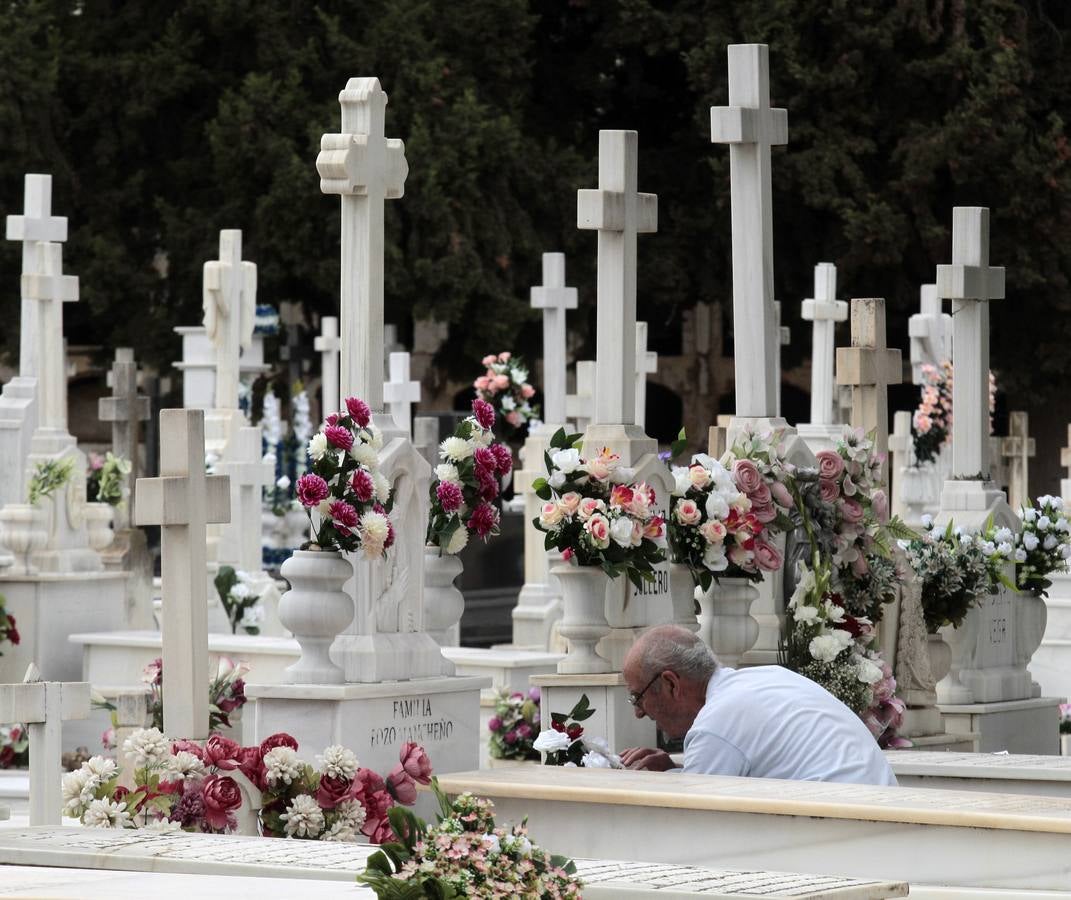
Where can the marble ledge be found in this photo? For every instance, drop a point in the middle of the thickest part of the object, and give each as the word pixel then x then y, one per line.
pixel 217 643
pixel 999 706
pixel 1007 766
pixel 501 657
pixel 609 679
pixel 108 575
pixel 441 684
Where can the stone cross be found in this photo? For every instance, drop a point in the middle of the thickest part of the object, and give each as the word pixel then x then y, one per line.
pixel 43 706
pixel 618 213
pixel 400 393
pixel 646 364
pixel 34 226
pixel 580 407
pixel 230 309
pixel 183 500
pixel 869 367
pixel 824 310
pixel 930 331
pixel 328 344
pixel 970 283
pixel 901 456
pixel 1018 448
pixel 49 288
pixel 426 438
pixel 554 298
pixel 1065 461
pixel 126 409
pixel 751 128
pixel 784 338
pixel 249 475
pixel 365 169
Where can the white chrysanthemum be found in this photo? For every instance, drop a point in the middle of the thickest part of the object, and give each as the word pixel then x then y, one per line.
pixel 102 767
pixel 281 764
pixel 382 486
pixel 481 437
pixel 447 472
pixel 458 540
pixel 106 814
pixel 303 817
pixel 339 833
pixel 455 449
pixel 147 747
pixel 185 765
pixel 338 762
pixel 376 437
pixel 366 455
pixel 318 446
pixel 352 813
pixel 73 785
pixel 374 527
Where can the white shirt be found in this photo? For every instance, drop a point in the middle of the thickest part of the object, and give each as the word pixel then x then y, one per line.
pixel 769 722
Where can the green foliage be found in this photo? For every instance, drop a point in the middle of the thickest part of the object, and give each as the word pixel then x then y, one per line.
pixel 106 483
pixel 48 477
pixel 236 597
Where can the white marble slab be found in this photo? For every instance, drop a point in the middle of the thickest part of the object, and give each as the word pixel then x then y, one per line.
pixel 1027 726
pixel 1006 773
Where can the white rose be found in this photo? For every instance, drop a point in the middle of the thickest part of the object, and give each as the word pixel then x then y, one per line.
pixel 567 460
pixel 282 482
pixel 1020 555
pixel 1064 551
pixel 1029 514
pixel 1050 542
pixel 681 481
pixel 717 507
pixel 621 531
pixel 622 475
pixel 556 480
pixel 1044 523
pixel 318 446
pixel 508 403
pixel 1030 541
pixel 1003 535
pixel 595 761
pixel 551 741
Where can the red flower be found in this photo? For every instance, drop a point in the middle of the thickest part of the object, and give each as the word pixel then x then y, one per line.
pixel 415 761
pixel 251 765
pixel 363 486
pixel 120 793
pixel 378 831
pixel 484 413
pixel 332 419
pixel 558 726
pixel 343 516
pixel 279 739
pixel 221 752
pixel 12 631
pixel 484 460
pixel 359 411
pixel 449 495
pixel 332 791
pixel 7 756
pixel 221 796
pixel 236 698
pixel 190 747
pixel 484 520
pixel 574 731
pixel 488 484
pixel 389 542
pixel 337 436
pixel 311 489
pixel 503 458
pixel 168 787
pixel 401 786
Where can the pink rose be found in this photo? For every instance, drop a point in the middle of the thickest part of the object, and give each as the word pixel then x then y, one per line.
pixel 761 496
pixel 880 504
pixel 570 502
pixel 279 739
pixel 713 531
pixel 589 506
pixel 251 765
pixel 598 526
pixel 332 791
pixel 221 796
pixel 830 464
pixel 489 360
pixel 501 382
pixel 764 512
pixel 311 490
pixel 340 437
pixel 415 761
pixel 747 475
pixel 550 514
pixel 698 476
pixel 782 495
pixel 401 786
pixel 767 556
pixel 828 490
pixel 483 412
pixel 221 752
pixel 504 356
pixel 482 383
pixel 514 419
pixel 527 391
pixel 190 747
pixel 851 510
pixel 687 512
pixel 359 411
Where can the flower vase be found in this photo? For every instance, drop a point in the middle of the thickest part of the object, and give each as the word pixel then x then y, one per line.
pixel 247 816
pixel 940 656
pixel 315 610
pixel 583 621
pixel 24 530
pixel 682 591
pixel 98 517
pixel 1031 617
pixel 444 604
pixel 725 621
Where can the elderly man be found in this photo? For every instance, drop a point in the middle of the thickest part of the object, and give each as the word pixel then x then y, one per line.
pixel 763 722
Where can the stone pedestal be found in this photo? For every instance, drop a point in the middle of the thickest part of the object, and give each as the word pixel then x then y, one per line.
pixel 18 421
pixel 614 718
pixel 820 437
pixel 1051 664
pixel 1015 726
pixel 129 553
pixel 511 670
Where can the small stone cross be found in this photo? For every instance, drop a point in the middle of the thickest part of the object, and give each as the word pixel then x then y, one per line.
pixel 869 367
pixel 230 308
pixel 970 283
pixel 400 393
pixel 43 706
pixel 365 169
pixel 646 364
pixel 824 310
pixel 901 456
pixel 618 213
pixel 554 298
pixel 249 474
pixel 328 344
pixel 580 406
pixel 751 127
pixel 183 500
pixel 126 409
pixel 930 331
pixel 1018 448
pixel 784 338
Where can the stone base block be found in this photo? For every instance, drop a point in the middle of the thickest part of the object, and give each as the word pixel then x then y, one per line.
pixel 538 610
pixel 508 669
pixel 614 718
pixel 1015 726
pixel 820 437
pixel 952 743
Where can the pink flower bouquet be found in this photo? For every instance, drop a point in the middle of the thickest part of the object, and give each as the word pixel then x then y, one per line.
pixel 505 386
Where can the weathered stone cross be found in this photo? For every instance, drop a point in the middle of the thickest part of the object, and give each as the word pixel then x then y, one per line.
pixel 930 331
pixel 1018 448
pixel 901 456
pixel 365 168
pixel 554 298
pixel 618 213
pixel 825 310
pixel 751 128
pixel 230 308
pixel 784 337
pixel 869 367
pixel 328 344
pixel 400 392
pixel 249 475
pixel 580 406
pixel 646 364
pixel 126 409
pixel 183 500
pixel 970 283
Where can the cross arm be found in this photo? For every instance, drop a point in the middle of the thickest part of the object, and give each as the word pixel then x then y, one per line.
pixel 27 702
pixel 858 366
pixel 601 210
pixel 962 282
pixel 747 125
pixel 818 310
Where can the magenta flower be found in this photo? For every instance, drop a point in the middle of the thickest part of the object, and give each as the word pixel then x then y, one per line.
pixel 484 460
pixel 494 723
pixel 484 520
pixel 343 515
pixel 484 413
pixel 363 486
pixel 359 411
pixel 311 489
pixel 332 419
pixel 503 458
pixel 450 496
pixel 337 436
pixel 488 484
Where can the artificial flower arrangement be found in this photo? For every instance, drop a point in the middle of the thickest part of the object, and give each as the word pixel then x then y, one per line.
pixel 1041 547
pixel 514 725
pixel 505 386
pixel 238 600
pixel 197 788
pixel 48 477
pixel 106 478
pixel 345 495
pixel 594 515
pixel 465 854
pixel 8 629
pixel 931 425
pixel 14 747
pixel 466 484
pixel 565 744
pixel 1065 721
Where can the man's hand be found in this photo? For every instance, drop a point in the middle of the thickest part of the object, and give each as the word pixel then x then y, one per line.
pixel 647 758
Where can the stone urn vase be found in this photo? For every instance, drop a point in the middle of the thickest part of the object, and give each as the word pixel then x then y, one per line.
pixel 583 621
pixel 444 604
pixel 725 621
pixel 315 610
pixel 940 655
pixel 24 530
pixel 99 531
pixel 682 590
pixel 1031 617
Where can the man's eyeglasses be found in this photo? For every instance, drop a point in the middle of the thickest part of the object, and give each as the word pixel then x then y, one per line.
pixel 635 699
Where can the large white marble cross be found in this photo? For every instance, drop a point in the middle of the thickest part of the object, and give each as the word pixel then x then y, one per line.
pixel 365 168
pixel 618 213
pixel 43 706
pixel 646 364
pixel 35 225
pixel 869 367
pixel 49 289
pixel 970 283
pixel 930 331
pixel 126 409
pixel 400 392
pixel 554 298
pixel 230 308
pixel 328 344
pixel 183 500
pixel 750 126
pixel 824 310
pixel 1018 448
pixel 249 474
pixel 580 407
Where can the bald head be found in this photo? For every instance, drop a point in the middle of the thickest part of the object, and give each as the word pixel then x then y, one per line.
pixel 671 648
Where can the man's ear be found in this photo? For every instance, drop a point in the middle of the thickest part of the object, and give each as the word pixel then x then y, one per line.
pixel 673 683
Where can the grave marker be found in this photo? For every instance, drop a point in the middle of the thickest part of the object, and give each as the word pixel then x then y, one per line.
pixel 554 298
pixel 930 331
pixel 400 393
pixel 328 345
pixel 230 308
pixel 126 409
pixel 580 406
pixel 1018 448
pixel 646 364
pixel 824 310
pixel 249 474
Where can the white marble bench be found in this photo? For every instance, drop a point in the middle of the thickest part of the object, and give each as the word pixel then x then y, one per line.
pixel 1004 773
pixel 930 837
pixel 180 855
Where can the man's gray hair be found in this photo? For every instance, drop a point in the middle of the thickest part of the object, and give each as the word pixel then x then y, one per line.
pixel 676 649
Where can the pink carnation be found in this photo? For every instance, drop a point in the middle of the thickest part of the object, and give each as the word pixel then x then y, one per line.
pixel 449 495
pixel 484 520
pixel 359 411
pixel 332 419
pixel 340 437
pixel 311 489
pixel 483 412
pixel 489 360
pixel 484 459
pixel 488 484
pixel 343 516
pixel 363 486
pixel 503 458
